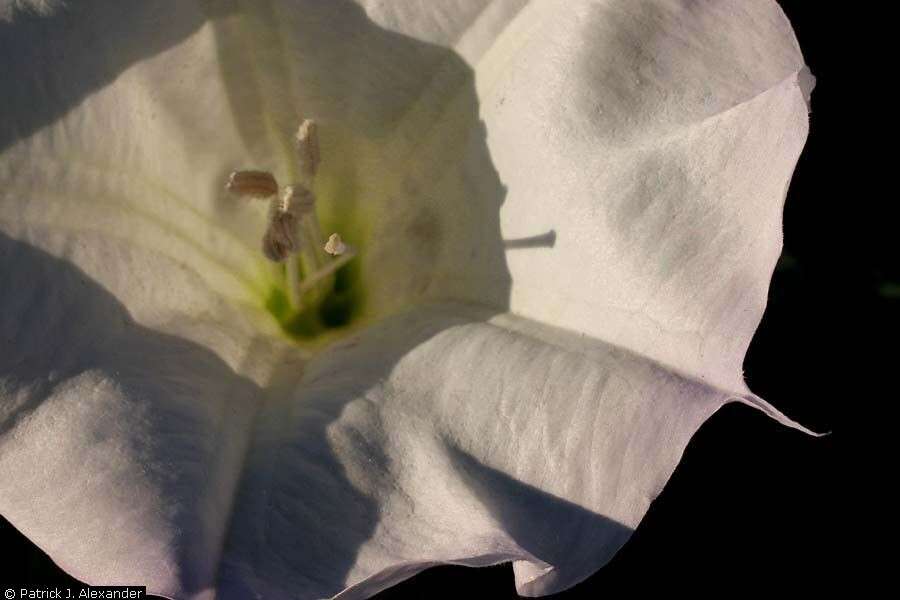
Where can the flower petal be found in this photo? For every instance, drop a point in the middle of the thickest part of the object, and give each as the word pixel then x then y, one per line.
pixel 447 435
pixel 657 141
pixel 93 142
pixel 639 154
pixel 135 356
pixel 655 149
pixel 131 322
pixel 120 446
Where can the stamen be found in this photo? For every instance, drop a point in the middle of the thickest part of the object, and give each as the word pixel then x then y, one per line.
pixel 281 238
pixel 323 274
pixel 252 184
pixel 307 140
pixel 293 235
pixel 335 246
pixel 300 202
pixel 297 199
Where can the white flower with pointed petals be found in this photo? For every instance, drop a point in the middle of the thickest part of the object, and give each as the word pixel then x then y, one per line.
pixel 564 216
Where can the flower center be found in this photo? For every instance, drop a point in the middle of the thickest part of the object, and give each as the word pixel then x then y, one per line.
pixel 318 291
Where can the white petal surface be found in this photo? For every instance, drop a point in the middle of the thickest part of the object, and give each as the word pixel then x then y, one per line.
pixel 94 140
pixel 131 361
pixel 637 152
pixel 613 168
pixel 120 445
pixel 657 140
pixel 445 435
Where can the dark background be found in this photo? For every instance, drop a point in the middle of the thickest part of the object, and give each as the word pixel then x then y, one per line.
pixel 753 507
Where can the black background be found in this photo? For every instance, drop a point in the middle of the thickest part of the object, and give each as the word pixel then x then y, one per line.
pixel 753 507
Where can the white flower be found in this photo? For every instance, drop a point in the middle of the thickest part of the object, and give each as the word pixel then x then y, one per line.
pixel 566 214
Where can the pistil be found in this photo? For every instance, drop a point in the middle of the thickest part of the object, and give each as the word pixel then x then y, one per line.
pixel 312 259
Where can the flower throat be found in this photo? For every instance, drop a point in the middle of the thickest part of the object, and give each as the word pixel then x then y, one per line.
pixel 319 291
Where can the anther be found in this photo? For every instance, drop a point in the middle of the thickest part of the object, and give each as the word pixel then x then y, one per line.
pixel 282 237
pixel 298 200
pixel 335 246
pixel 252 184
pixel 307 141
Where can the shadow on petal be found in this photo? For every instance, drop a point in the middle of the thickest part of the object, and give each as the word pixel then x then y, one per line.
pixel 320 470
pixel 406 175
pixel 50 64
pixel 120 446
pixel 544 526
pixel 408 171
